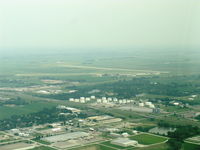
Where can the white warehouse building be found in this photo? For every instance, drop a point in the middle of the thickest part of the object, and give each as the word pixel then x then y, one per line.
pixel 124 142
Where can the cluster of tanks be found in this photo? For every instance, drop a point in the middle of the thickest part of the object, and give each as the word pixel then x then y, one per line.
pixel 105 100
pixel 148 104
pixel 114 100
pixel 82 99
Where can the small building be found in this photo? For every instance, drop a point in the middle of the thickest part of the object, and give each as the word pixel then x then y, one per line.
pixel 152 106
pixel 176 103
pixel 125 134
pixel 56 129
pixel 141 104
pixel 15 131
pixel 148 103
pixel 135 132
pixel 124 142
pixel 194 96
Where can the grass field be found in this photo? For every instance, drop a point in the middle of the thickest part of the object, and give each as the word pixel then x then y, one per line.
pixel 155 147
pixel 6 112
pixel 108 143
pixel 41 141
pixel 148 139
pixel 43 148
pixel 189 146
pixel 93 147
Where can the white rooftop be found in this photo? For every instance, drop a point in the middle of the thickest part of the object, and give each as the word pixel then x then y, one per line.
pixel 65 137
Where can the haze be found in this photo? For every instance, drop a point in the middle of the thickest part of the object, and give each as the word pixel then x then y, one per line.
pixel 90 24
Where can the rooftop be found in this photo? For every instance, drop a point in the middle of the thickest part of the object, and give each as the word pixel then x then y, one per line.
pixel 65 137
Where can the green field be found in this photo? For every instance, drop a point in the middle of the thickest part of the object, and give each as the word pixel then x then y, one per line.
pixel 6 112
pixel 189 146
pixel 43 148
pixel 41 141
pixel 148 139
pixel 93 147
pixel 108 143
pixel 155 147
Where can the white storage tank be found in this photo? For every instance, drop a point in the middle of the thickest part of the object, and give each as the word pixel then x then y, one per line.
pixel 124 101
pixel 87 99
pixel 92 97
pixel 99 101
pixel 120 101
pixel 115 99
pixel 151 106
pixel 104 98
pixel 109 99
pixel 82 101
pixel 71 99
pixel 82 98
pixel 77 100
pixel 141 104
pixel 105 101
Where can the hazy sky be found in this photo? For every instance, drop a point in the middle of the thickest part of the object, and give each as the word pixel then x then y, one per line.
pixel 99 23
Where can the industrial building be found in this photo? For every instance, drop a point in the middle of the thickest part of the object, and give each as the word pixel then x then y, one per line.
pixel 124 142
pixel 65 137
